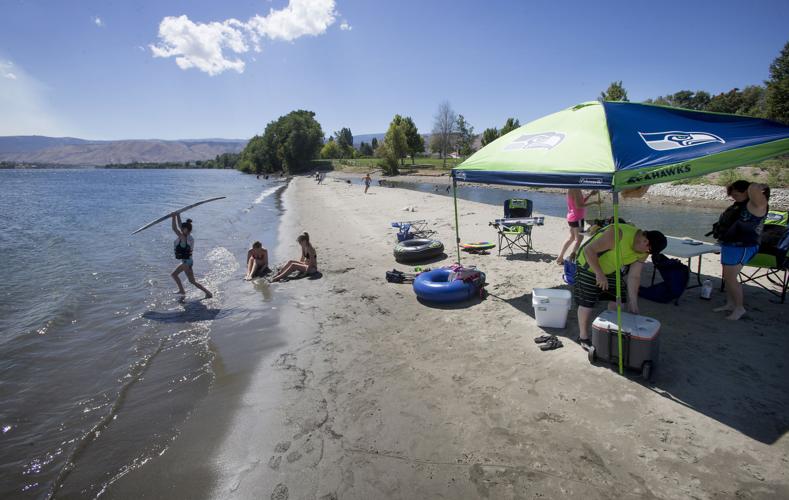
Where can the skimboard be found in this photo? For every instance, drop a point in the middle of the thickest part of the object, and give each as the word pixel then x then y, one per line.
pixel 160 219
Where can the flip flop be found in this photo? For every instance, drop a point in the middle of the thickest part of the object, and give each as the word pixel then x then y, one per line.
pixel 553 343
pixel 544 338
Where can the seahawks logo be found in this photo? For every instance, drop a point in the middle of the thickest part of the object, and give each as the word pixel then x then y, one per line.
pixel 546 140
pixel 664 141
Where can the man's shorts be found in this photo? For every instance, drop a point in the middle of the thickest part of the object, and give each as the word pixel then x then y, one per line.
pixel 732 256
pixel 588 294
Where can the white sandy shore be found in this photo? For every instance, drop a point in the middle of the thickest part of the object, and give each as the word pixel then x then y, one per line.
pixel 388 398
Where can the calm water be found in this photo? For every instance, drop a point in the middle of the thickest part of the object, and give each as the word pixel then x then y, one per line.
pixel 675 220
pixel 100 364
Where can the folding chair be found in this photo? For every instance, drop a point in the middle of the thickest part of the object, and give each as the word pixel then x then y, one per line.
pixel 772 261
pixel 413 229
pixel 514 231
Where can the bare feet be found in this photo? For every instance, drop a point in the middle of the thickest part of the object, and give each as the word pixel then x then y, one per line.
pixel 559 261
pixel 736 314
pixel 180 292
pixel 208 295
pixel 724 308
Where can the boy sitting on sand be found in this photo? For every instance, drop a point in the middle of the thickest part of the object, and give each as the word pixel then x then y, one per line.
pixel 257 261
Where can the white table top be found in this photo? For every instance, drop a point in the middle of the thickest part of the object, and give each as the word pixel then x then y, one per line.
pixel 682 248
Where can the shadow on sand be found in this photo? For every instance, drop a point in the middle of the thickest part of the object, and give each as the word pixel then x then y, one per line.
pixel 734 373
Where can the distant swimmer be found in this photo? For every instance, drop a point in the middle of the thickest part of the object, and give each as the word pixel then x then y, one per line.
pixel 184 246
pixel 257 261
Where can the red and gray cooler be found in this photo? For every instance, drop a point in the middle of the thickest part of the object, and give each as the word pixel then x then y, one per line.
pixel 640 341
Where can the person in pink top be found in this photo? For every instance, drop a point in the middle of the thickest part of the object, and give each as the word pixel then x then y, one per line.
pixel 576 212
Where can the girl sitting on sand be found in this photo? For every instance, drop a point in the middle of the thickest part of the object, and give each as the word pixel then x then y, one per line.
pixel 257 261
pixel 308 264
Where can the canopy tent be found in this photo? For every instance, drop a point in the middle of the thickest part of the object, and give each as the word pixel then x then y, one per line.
pixel 616 146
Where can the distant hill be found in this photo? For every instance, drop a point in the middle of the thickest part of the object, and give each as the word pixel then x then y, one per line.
pixel 368 138
pixel 73 151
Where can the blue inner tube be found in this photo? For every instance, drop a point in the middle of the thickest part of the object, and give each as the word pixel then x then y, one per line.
pixel 434 286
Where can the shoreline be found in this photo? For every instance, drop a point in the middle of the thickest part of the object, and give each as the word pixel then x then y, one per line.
pixel 386 397
pixel 699 195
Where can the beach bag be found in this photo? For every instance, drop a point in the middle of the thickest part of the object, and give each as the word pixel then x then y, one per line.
pixel 675 276
pixel 775 236
pixel 570 267
pixel 726 221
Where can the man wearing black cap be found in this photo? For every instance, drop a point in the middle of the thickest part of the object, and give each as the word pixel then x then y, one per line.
pixel 595 277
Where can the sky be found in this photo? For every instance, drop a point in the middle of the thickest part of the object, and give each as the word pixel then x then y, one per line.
pixel 188 69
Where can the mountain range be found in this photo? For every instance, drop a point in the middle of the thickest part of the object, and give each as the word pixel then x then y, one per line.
pixel 73 151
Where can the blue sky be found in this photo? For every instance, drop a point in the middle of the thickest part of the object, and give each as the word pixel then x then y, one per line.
pixel 110 69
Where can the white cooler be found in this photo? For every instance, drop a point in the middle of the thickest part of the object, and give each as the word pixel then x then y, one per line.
pixel 551 306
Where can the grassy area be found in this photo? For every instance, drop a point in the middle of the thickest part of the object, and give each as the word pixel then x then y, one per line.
pixel 363 165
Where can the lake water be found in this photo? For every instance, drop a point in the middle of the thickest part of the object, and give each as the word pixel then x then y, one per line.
pixel 672 219
pixel 100 363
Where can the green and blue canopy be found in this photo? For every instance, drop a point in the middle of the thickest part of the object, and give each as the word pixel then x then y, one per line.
pixel 620 145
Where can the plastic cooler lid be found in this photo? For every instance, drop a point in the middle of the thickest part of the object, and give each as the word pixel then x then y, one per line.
pixel 551 293
pixel 637 326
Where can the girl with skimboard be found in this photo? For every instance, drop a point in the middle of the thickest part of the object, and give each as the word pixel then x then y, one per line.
pixel 184 246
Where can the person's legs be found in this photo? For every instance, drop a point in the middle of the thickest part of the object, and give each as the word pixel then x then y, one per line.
pixel 250 268
pixel 288 268
pixel 584 316
pixel 574 234
pixel 734 291
pixel 175 274
pixel 191 275
pixel 576 231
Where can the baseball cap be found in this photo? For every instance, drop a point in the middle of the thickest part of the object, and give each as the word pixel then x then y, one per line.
pixel 657 242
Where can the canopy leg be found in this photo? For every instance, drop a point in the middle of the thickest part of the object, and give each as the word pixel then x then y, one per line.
pixel 457 227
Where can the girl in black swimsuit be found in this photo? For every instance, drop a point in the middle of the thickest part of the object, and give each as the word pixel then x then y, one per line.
pixel 308 263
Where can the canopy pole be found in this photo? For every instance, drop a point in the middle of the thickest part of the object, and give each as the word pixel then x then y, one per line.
pixel 457 226
pixel 618 263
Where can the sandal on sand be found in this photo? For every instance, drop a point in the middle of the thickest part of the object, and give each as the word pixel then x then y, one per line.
pixel 544 338
pixel 553 343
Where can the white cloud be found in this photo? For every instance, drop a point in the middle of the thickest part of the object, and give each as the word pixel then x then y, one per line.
pixel 5 70
pixel 201 45
pixel 204 45
pixel 345 26
pixel 97 20
pixel 23 104
pixel 299 18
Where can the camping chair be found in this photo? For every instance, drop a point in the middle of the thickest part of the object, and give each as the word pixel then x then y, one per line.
pixel 514 230
pixel 772 261
pixel 412 229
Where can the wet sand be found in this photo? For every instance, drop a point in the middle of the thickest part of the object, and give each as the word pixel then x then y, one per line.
pixel 380 396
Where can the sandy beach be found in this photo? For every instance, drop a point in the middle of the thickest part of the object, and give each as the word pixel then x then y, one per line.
pixel 382 396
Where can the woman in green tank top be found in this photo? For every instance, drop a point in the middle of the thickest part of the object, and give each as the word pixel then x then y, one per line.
pixel 596 274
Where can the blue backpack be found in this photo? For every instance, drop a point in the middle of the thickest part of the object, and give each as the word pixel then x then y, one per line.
pixel 675 276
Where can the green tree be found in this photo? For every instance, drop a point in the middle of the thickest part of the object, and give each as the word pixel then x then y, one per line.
pixel 510 125
pixel 374 143
pixel 465 136
pixel 365 149
pixel 489 135
pixel 389 159
pixel 777 98
pixel 614 92
pixel 288 144
pixel 414 141
pixel 395 139
pixel 331 150
pixel 344 139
